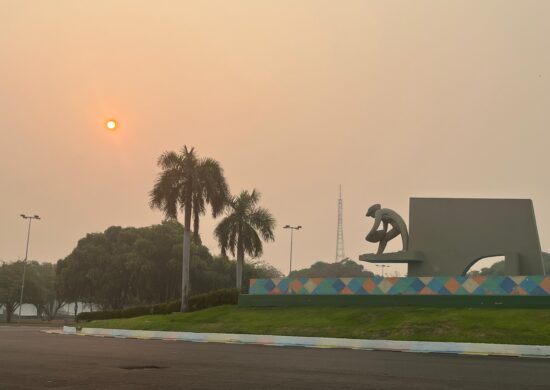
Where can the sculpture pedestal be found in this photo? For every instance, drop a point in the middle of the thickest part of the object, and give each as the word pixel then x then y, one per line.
pixel 405 257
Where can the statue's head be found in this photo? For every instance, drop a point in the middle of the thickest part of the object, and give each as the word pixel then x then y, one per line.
pixel 373 209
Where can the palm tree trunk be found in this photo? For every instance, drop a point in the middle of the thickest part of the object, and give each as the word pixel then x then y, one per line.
pixel 186 255
pixel 240 263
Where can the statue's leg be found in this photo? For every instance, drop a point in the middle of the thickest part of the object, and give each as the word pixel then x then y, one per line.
pixel 376 236
pixel 387 237
pixel 382 246
pixel 392 234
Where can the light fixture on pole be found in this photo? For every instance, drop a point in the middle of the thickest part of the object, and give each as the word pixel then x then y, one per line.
pixel 292 228
pixel 382 266
pixel 30 218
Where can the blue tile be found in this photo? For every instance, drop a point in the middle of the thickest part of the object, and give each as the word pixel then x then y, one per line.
pixel 417 285
pixel 528 285
pixel 269 285
pixel 355 284
pixel 538 291
pixel 338 285
pixel 435 284
pixel 443 291
pixel 507 285
pixel 283 285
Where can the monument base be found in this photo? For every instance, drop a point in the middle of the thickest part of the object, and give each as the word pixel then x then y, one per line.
pixel 394 257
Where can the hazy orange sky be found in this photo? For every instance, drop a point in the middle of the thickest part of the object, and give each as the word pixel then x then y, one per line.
pixel 391 99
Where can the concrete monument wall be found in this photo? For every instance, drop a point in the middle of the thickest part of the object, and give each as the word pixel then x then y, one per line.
pixel 452 234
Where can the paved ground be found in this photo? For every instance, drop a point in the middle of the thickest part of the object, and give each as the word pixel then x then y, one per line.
pixel 30 359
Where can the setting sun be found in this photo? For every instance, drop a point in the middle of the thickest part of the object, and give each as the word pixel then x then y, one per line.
pixel 111 124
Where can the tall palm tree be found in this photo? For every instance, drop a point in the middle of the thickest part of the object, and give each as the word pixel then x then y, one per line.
pixel 243 229
pixel 189 184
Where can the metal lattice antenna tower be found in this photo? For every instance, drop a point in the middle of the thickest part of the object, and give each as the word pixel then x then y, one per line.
pixel 340 231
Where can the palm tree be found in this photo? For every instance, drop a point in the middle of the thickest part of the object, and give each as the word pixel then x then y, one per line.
pixel 243 229
pixel 189 184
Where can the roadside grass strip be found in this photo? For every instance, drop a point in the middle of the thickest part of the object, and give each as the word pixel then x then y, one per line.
pixel 538 351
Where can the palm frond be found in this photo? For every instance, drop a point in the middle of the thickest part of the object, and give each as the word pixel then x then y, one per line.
pixel 245 225
pixel 262 220
pixel 213 185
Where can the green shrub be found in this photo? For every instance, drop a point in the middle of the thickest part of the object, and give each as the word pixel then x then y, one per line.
pixel 135 311
pixel 173 306
pixel 160 308
pixel 227 296
pixel 99 315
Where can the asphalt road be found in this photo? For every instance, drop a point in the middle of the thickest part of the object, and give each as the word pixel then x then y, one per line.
pixel 30 359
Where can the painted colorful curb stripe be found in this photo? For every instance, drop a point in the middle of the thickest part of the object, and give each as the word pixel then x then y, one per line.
pixel 323 342
pixel 538 285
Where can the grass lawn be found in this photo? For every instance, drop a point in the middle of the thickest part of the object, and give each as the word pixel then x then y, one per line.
pixel 505 326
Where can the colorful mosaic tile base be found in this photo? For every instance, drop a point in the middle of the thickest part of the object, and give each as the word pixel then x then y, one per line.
pixel 431 285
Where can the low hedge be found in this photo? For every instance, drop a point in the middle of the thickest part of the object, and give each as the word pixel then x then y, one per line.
pixel 228 296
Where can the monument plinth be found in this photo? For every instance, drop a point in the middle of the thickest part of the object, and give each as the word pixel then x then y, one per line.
pixel 393 257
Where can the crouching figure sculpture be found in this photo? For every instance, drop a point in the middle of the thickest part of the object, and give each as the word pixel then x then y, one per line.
pixel 387 218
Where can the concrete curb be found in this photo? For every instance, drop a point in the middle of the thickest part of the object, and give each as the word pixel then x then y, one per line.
pixel 322 342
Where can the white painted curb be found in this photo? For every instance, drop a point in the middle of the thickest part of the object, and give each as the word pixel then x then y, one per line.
pixel 322 342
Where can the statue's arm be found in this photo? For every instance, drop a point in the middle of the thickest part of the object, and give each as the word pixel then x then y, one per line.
pixel 377 220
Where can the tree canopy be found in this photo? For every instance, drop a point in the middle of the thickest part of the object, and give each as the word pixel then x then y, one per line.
pixel 40 288
pixel 343 269
pixel 129 266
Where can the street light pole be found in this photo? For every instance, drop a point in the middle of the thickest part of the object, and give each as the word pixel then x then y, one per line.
pixel 30 218
pixel 382 266
pixel 292 228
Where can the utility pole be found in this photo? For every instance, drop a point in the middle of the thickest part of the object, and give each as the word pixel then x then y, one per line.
pixel 340 231
pixel 292 228
pixel 30 218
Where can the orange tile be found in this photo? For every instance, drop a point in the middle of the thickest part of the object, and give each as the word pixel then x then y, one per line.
pixel 545 284
pixel 479 278
pixel 296 286
pixel 317 281
pixel 346 291
pixel 426 291
pixel 369 285
pixel 519 291
pixel 452 285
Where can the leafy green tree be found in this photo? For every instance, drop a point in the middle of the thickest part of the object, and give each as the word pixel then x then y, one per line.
pixel 41 289
pixel 188 183
pixel 38 284
pixel 156 263
pixel 123 267
pixel 10 287
pixel 36 288
pixel 71 281
pixel 244 227
pixel 343 269
pixel 52 301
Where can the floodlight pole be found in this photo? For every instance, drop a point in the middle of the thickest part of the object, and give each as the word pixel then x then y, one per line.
pixel 382 266
pixel 30 218
pixel 292 228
